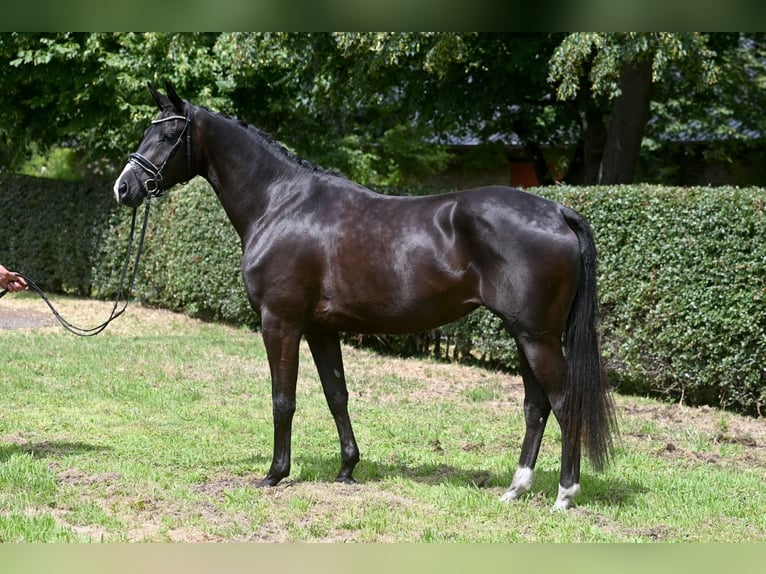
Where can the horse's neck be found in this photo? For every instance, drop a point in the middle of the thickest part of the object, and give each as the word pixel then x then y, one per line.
pixel 240 167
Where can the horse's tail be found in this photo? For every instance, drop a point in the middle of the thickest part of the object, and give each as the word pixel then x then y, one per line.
pixel 588 407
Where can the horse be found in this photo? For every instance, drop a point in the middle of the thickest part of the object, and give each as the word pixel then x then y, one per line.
pixel 323 255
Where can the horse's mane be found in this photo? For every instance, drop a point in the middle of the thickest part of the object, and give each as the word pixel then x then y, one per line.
pixel 275 146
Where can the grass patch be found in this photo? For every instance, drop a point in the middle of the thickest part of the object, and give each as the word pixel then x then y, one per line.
pixel 160 428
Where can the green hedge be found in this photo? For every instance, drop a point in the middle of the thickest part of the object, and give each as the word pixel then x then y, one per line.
pixel 683 289
pixel 191 258
pixel 71 237
pixel 682 276
pixel 50 229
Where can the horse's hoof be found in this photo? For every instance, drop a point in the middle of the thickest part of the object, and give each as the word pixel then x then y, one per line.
pixel 510 496
pixel 345 480
pixel 522 482
pixel 268 481
pixel 566 497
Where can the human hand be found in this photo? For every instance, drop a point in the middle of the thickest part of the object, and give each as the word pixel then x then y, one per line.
pixel 10 281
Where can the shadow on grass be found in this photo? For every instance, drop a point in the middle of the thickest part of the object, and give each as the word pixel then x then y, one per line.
pixel 45 449
pixel 606 490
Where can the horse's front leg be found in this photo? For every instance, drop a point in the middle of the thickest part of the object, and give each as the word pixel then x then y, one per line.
pixel 281 340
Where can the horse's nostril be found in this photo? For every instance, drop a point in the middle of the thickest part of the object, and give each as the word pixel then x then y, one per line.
pixel 123 189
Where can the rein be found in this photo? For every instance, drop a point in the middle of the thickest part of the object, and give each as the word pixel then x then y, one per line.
pixel 152 188
pixel 89 332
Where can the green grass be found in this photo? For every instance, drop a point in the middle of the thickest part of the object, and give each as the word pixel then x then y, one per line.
pixel 159 429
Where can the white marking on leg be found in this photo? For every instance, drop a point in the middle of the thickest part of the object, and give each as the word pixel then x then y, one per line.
pixel 566 496
pixel 522 482
pixel 117 181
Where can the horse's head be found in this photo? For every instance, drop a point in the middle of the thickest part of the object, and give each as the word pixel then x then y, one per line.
pixel 164 156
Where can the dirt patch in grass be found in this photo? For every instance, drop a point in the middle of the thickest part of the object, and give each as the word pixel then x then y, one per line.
pixel 80 478
pixel 708 431
pixel 24 318
pixel 654 533
pixel 432 380
pixel 27 310
pixel 324 511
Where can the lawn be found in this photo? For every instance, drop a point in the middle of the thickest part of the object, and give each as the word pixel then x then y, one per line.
pixel 158 429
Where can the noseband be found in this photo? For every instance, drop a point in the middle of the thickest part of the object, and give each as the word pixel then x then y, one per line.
pixel 153 186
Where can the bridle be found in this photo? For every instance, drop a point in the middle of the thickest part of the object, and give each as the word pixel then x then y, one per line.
pixel 153 186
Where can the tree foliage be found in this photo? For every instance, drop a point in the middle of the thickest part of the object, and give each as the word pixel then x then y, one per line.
pixel 88 90
pixel 597 58
pixel 381 106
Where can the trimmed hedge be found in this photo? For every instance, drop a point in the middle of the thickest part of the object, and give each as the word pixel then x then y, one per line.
pixel 683 289
pixel 50 229
pixel 682 276
pixel 191 258
pixel 71 237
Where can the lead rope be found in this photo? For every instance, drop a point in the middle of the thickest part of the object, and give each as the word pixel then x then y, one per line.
pixel 90 332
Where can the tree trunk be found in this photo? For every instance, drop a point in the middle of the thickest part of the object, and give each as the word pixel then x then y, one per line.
pixel 594 141
pixel 544 175
pixel 585 166
pixel 630 111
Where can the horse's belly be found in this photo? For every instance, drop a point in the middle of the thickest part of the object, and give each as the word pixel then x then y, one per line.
pixel 394 314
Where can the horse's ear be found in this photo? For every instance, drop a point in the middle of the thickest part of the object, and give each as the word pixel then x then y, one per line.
pixel 159 99
pixel 175 99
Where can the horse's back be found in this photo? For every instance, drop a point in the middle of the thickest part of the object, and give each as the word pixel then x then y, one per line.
pixel 512 208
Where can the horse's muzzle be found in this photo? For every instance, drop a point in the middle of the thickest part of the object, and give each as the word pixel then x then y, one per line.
pixel 128 192
pixel 122 192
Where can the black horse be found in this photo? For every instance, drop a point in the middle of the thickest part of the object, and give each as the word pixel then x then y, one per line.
pixel 323 255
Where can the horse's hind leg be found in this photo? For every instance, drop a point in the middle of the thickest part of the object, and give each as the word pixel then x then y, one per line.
pixel 544 373
pixel 537 407
pixel 325 348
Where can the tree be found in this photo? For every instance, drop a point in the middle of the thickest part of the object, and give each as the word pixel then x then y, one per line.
pixel 387 102
pixel 374 104
pixel 381 107
pixel 348 101
pixel 609 77
pixel 728 111
pixel 489 89
pixel 88 90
